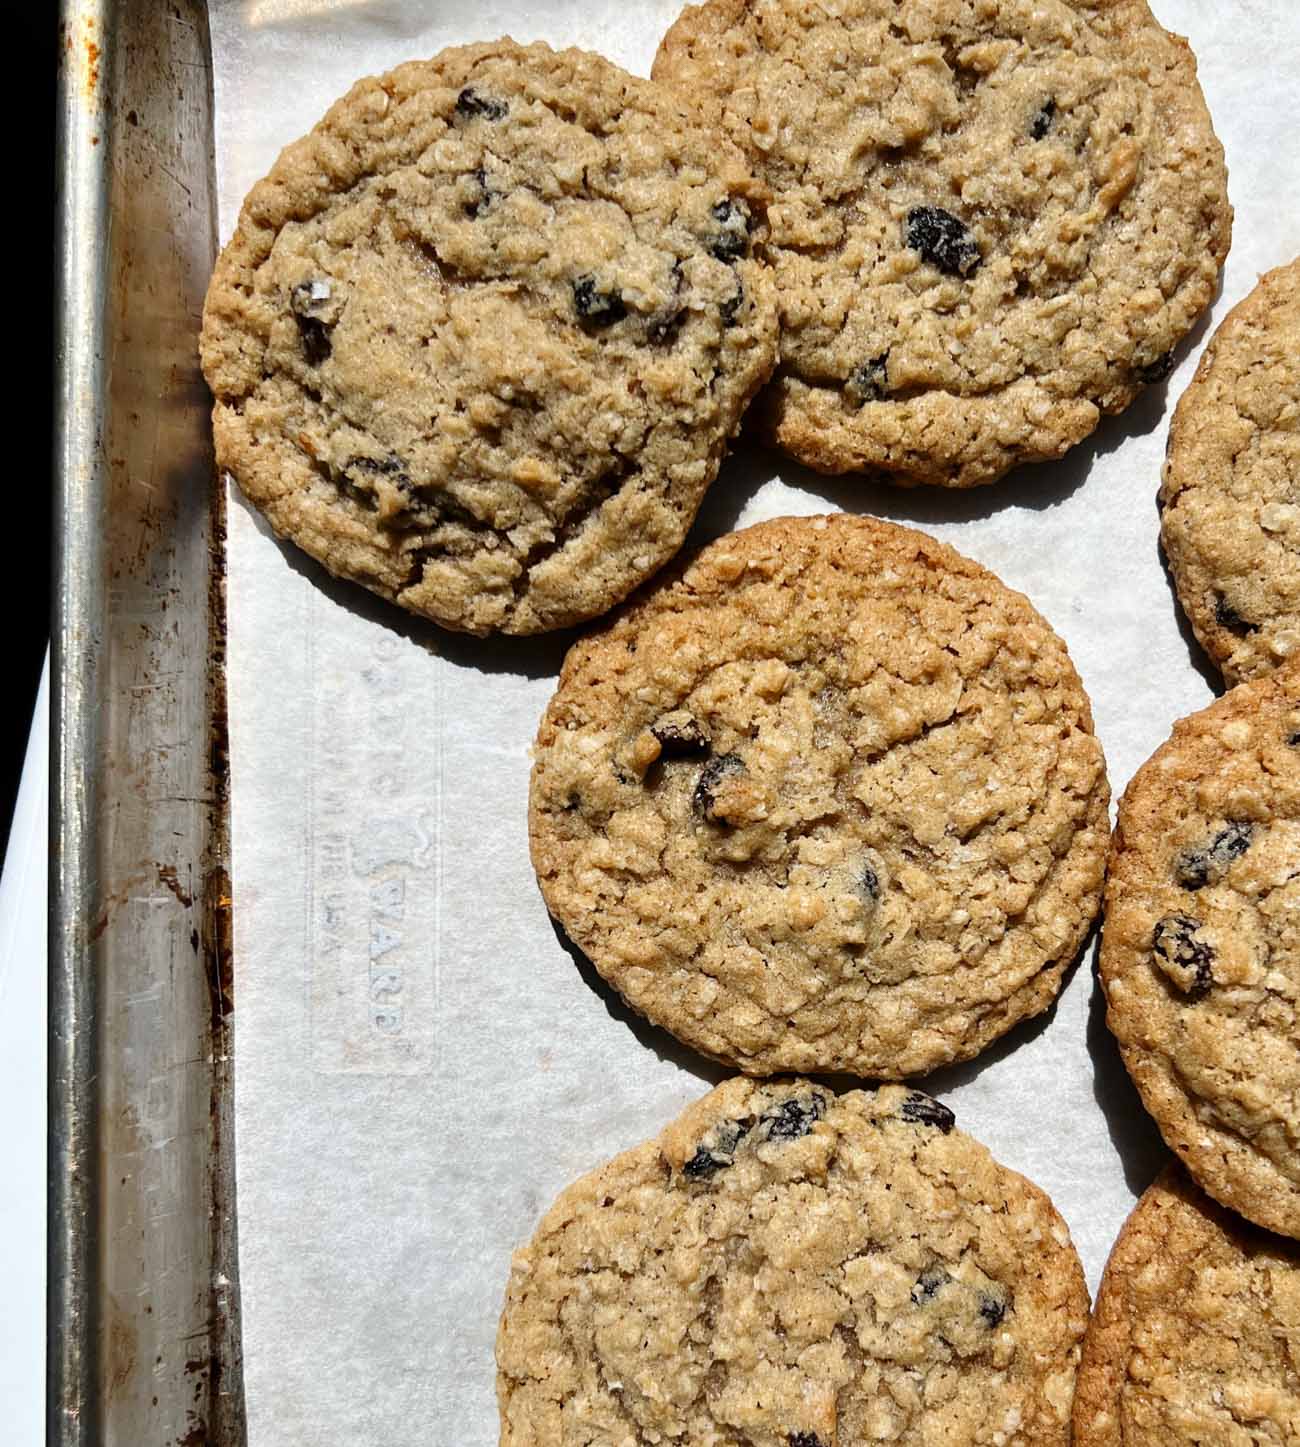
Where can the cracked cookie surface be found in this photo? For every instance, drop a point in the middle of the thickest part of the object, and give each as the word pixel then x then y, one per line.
pixel 1230 498
pixel 993 220
pixel 1196 1332
pixel 480 338
pixel 1200 954
pixel 827 800
pixel 785 1267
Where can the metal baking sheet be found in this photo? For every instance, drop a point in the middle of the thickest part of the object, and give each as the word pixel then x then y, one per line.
pixel 143 1339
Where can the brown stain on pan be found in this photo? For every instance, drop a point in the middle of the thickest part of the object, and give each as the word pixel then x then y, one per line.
pixel 82 49
pixel 221 979
pixel 167 875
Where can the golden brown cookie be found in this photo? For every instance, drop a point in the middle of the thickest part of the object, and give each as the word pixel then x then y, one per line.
pixel 992 222
pixel 828 799
pixel 1200 955
pixel 1230 501
pixel 480 339
pixel 785 1267
pixel 1196 1333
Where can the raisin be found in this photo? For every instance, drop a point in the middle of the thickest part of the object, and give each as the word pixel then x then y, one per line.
pixel 793 1118
pixel 1157 371
pixel 680 737
pixel 306 301
pixel 1294 740
pixel 733 240
pixel 597 308
pixel 703 1164
pixel 869 381
pixel 709 1160
pixel 804 1439
pixel 316 344
pixel 705 797
pixel 469 103
pixel 929 1284
pixel 869 883
pixel 1226 616
pixel 728 309
pixel 922 1109
pixel 1195 868
pixel 1042 122
pixel 942 240
pixel 991 1309
pixel 1186 961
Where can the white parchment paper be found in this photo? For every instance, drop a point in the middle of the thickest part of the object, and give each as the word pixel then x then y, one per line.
pixel 421 1066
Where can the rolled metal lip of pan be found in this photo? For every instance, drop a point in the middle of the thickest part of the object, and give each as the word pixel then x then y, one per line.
pixel 143 1319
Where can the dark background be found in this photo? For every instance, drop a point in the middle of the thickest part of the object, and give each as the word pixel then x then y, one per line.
pixel 29 241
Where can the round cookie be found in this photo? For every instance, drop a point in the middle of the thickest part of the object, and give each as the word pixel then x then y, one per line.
pixel 993 220
pixel 1230 504
pixel 1200 954
pixel 828 800
pixel 785 1267
pixel 479 339
pixel 1196 1332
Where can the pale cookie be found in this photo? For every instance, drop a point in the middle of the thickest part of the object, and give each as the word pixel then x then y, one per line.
pixel 1196 1333
pixel 993 219
pixel 480 339
pixel 829 800
pixel 1230 501
pixel 1200 955
pixel 784 1267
